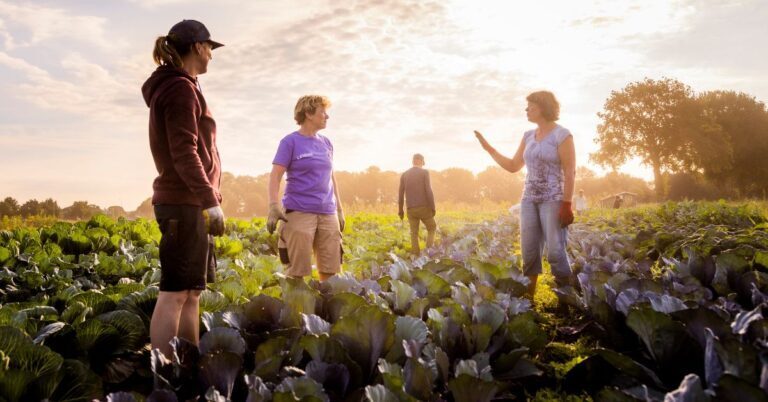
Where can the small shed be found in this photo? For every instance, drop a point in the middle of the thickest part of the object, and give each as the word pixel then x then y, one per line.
pixel 628 200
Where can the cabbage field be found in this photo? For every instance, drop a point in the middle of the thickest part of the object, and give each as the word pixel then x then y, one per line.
pixel 666 301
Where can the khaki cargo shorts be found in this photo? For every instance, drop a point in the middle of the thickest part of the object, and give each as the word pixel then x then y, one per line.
pixel 305 234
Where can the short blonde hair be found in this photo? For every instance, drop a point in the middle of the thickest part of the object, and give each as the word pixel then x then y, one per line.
pixel 308 104
pixel 546 101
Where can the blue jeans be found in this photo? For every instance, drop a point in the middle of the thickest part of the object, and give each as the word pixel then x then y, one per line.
pixel 539 226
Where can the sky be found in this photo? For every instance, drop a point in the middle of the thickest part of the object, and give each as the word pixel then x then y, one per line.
pixel 404 76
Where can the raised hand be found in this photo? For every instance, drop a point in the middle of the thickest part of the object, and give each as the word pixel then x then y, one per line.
pixel 486 146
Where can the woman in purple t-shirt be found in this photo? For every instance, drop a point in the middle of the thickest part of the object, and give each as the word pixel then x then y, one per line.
pixel 313 217
pixel 545 210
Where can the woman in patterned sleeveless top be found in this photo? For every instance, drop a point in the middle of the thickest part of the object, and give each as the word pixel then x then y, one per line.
pixel 545 209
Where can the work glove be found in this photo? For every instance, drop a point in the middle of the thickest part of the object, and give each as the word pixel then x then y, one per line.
pixel 214 220
pixel 275 214
pixel 342 220
pixel 401 214
pixel 565 214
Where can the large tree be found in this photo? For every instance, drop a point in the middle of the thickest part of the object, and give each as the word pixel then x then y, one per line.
pixel 49 207
pixel 9 207
pixel 744 123
pixel 80 210
pixel 657 122
pixel 30 208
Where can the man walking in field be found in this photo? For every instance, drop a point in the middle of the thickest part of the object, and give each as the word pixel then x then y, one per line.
pixel 417 191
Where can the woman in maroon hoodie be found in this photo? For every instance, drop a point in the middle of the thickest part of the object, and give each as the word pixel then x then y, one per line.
pixel 182 137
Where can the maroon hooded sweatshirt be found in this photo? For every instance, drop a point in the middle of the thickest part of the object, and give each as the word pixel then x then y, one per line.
pixel 182 137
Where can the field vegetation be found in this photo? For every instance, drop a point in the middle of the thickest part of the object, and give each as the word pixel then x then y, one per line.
pixel 666 300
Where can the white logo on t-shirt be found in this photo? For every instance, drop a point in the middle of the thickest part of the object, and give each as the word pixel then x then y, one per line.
pixel 304 155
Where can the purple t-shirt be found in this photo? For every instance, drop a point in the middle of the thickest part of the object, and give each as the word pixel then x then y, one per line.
pixel 309 164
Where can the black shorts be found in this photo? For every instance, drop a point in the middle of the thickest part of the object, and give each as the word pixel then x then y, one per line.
pixel 187 259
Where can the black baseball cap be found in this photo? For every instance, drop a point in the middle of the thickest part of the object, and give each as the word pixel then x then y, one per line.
pixel 188 32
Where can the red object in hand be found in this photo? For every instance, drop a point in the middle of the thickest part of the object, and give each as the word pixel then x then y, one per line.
pixel 566 214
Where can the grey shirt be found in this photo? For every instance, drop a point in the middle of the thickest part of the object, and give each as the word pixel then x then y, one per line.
pixel 416 188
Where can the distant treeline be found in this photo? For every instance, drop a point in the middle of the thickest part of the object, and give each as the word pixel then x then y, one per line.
pixel 10 207
pixel 246 196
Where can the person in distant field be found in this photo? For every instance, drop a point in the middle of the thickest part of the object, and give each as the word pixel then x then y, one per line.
pixel 416 189
pixel 580 203
pixel 545 208
pixel 618 201
pixel 313 218
pixel 182 137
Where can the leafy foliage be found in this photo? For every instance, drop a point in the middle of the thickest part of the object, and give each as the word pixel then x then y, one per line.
pixel 664 299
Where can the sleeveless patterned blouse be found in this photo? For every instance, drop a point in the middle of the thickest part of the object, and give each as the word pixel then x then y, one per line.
pixel 544 177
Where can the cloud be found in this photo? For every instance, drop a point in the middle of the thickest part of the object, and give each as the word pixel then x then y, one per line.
pixel 157 3
pixel 6 36
pixel 598 21
pixel 92 92
pixel 53 52
pixel 47 23
pixel 154 4
pixel 709 46
pixel 30 70
pixel 387 64
pixel 720 35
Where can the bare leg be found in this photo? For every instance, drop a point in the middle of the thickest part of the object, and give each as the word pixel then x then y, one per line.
pixel 189 323
pixel 532 285
pixel 165 320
